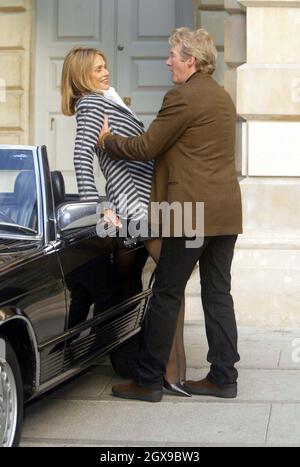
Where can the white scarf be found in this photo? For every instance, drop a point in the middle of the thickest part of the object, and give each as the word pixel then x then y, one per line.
pixel 112 95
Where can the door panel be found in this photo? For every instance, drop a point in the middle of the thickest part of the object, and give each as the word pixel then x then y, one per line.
pixel 84 22
pixel 155 20
pixel 143 31
pixel 103 290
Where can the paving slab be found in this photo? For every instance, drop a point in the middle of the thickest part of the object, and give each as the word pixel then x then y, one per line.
pixel 130 421
pixel 194 330
pixel 290 354
pixel 266 412
pixel 262 385
pixel 255 385
pixel 253 355
pixel 264 335
pixel 194 334
pixel 284 427
pixel 90 385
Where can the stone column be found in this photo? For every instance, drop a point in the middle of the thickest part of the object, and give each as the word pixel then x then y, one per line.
pixel 234 56
pixel 210 15
pixel 15 49
pixel 234 43
pixel 267 264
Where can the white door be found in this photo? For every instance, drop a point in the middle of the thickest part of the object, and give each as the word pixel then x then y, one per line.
pixel 143 30
pixel 62 24
pixel 134 36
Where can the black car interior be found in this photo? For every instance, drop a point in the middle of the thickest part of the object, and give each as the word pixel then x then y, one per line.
pixel 20 207
pixel 24 211
pixel 58 186
pixel 59 191
pixel 18 200
pixel 18 195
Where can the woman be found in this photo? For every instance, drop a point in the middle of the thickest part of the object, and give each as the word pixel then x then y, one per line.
pixel 86 93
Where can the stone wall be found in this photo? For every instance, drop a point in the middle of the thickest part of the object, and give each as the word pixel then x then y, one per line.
pixel 267 263
pixel 211 15
pixel 15 70
pixel 262 74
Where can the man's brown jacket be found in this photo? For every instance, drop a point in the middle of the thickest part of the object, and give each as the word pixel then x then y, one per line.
pixel 193 143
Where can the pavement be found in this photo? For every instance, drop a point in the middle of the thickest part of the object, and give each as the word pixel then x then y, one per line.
pixel 265 413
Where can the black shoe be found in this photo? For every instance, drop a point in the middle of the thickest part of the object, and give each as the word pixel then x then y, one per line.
pixel 176 388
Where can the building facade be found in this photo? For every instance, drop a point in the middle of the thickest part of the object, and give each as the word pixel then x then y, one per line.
pixel 259 64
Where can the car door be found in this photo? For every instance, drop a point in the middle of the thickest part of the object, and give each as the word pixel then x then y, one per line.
pixel 104 291
pixel 32 290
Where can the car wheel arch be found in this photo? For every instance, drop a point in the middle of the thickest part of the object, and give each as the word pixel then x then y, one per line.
pixel 20 335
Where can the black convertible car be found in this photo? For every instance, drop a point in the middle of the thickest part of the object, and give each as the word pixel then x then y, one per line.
pixel 66 295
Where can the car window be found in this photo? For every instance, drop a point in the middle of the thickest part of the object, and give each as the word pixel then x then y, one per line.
pixel 18 192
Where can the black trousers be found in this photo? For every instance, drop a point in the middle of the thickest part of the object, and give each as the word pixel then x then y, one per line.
pixel 173 272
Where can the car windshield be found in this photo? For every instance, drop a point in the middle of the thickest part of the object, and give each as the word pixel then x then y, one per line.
pixel 18 192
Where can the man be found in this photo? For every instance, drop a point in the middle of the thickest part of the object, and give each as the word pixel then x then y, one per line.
pixel 193 143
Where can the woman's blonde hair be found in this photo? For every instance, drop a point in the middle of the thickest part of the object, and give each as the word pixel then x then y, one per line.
pixel 198 44
pixel 75 81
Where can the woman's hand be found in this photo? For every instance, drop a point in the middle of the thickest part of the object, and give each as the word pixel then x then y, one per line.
pixel 111 218
pixel 104 131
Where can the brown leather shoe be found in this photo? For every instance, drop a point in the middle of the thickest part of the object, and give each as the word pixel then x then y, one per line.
pixel 205 388
pixel 133 391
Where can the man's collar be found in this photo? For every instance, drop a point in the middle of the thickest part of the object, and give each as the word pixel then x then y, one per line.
pixel 198 74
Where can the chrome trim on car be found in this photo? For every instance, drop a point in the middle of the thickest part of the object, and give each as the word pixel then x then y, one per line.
pixel 46 213
pixel 34 345
pixel 77 215
pixel 2 349
pixel 53 382
pixel 21 237
pixel 38 189
pixel 17 146
pixel 60 379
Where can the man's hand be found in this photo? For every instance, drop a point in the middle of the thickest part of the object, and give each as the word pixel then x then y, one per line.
pixel 103 133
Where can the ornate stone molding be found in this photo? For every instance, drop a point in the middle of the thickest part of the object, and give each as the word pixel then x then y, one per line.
pixel 271 3
pixel 11 6
pixel 234 7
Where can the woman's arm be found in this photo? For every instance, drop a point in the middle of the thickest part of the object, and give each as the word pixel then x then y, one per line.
pixel 90 119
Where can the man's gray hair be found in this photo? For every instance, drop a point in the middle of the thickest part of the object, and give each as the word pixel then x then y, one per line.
pixel 198 44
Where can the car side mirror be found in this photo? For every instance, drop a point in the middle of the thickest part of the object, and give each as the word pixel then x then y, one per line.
pixel 76 215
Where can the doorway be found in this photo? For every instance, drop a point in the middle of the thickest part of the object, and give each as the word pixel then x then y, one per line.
pixel 133 34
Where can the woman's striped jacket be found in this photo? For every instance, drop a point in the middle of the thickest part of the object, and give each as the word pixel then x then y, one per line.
pixel 128 183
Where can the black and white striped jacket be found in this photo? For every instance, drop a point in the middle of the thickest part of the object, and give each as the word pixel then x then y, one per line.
pixel 128 183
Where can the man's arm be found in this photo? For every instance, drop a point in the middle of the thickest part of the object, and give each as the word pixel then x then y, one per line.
pixel 169 125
